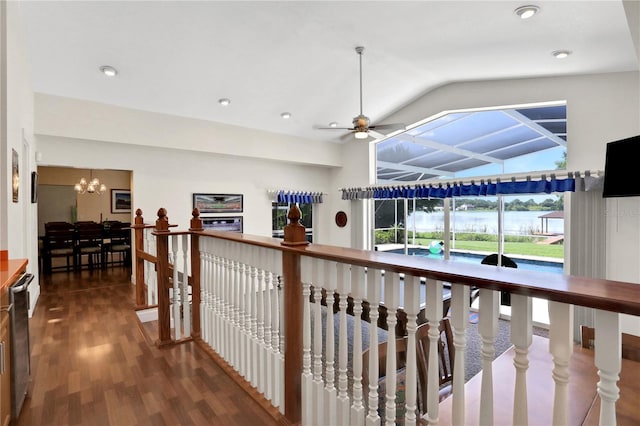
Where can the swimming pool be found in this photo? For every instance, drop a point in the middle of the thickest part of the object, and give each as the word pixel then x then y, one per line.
pixel 526 264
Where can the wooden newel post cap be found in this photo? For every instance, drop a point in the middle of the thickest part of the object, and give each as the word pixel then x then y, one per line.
pixel 139 220
pixel 294 232
pixel 162 224
pixel 196 222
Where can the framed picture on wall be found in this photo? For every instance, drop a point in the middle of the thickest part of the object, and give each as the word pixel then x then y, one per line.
pixel 34 187
pixel 120 201
pixel 15 175
pixel 218 203
pixel 229 224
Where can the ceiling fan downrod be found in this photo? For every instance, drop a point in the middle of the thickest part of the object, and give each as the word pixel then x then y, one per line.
pixel 359 51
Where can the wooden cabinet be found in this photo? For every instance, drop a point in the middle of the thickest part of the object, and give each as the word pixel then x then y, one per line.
pixel 5 360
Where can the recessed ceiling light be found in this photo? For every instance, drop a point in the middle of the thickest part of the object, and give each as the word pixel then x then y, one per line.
pixel 108 70
pixel 561 54
pixel 224 101
pixel 285 115
pixel 333 124
pixel 526 12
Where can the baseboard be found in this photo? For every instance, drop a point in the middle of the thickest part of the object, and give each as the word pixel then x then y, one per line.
pixel 148 315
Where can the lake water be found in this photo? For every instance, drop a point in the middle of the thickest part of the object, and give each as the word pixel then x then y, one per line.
pixel 515 223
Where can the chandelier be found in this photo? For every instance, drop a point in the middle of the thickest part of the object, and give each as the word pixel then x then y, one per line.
pixel 93 186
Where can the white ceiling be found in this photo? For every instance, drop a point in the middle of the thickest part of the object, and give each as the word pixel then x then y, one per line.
pixel 180 57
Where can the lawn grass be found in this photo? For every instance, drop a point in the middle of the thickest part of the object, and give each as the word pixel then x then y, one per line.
pixel 527 249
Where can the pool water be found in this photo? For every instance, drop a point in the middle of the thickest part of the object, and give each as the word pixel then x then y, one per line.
pixel 526 264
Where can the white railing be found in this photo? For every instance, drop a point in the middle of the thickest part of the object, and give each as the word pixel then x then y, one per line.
pixel 332 391
pixel 240 311
pixel 151 278
pixel 246 285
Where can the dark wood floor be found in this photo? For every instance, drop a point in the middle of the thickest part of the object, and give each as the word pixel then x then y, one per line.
pixel 91 364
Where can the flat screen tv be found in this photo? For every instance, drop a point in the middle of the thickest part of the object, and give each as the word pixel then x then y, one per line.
pixel 620 168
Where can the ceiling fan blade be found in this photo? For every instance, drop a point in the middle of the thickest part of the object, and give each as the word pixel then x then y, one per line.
pixel 334 128
pixel 393 126
pixel 375 134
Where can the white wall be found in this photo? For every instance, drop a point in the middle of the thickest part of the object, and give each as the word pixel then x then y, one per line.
pixel 18 223
pixel 168 177
pixel 58 116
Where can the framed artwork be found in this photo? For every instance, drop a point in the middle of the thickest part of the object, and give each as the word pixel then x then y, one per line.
pixel 15 175
pixel 34 187
pixel 120 201
pixel 218 203
pixel 229 224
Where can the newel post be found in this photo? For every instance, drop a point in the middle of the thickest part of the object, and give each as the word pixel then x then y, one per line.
pixel 138 239
pixel 162 245
pixel 294 236
pixel 195 225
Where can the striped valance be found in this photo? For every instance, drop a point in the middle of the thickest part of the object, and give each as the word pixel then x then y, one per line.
pixel 299 197
pixel 488 187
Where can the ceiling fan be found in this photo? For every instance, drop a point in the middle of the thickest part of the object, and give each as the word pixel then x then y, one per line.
pixel 361 124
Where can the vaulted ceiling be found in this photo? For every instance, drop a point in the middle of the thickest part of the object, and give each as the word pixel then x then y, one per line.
pixel 181 57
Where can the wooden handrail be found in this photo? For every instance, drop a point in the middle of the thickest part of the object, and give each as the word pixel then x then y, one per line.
pixel 606 295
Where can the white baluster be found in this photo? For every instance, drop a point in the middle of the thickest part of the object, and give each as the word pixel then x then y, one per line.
pixel 267 328
pixel 392 302
pixel 242 333
pixel 433 291
pixel 233 294
pixel 521 337
pixel 247 314
pixel 344 287
pixel 307 377
pixel 275 259
pixel 608 355
pixel 411 307
pixel 561 348
pixel 459 320
pixel 330 393
pixel 203 293
pixel 488 328
pixel 186 303
pixel 177 321
pixel 262 362
pixel 255 374
pixel 317 354
pixel 374 284
pixel 358 286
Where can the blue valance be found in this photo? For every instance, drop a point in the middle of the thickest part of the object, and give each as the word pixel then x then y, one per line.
pixel 450 190
pixel 299 197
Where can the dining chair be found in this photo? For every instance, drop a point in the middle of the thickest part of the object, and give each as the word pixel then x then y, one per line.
pixel 89 243
pixel 445 367
pixel 58 242
pixel 119 243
